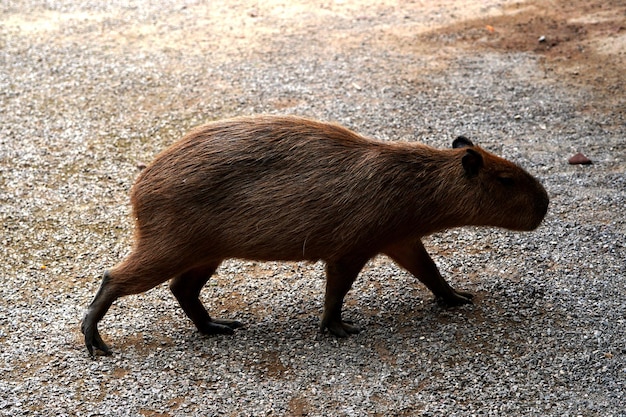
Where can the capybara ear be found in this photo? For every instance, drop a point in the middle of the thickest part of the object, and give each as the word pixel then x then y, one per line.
pixel 462 142
pixel 472 162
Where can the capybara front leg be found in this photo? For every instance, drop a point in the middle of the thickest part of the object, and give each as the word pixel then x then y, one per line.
pixel 186 288
pixel 414 258
pixel 339 278
pixel 97 309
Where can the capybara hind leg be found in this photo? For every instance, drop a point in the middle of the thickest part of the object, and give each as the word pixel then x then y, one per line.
pixel 414 258
pixel 186 288
pixel 339 278
pixel 97 309
pixel 135 275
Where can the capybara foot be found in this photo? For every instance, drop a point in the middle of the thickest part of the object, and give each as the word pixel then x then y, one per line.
pixel 456 298
pixel 340 328
pixel 93 340
pixel 220 326
pixel 233 324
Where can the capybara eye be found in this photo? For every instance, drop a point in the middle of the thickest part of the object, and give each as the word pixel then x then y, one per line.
pixel 506 181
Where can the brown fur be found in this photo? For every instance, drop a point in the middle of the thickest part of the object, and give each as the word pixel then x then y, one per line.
pixel 287 188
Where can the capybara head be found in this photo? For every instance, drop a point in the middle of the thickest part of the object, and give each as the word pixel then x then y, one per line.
pixel 503 194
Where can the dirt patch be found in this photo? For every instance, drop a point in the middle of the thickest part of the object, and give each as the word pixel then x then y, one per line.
pixel 583 41
pixel 299 406
pixel 268 364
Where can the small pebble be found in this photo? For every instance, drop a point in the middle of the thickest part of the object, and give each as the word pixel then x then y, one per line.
pixel 579 159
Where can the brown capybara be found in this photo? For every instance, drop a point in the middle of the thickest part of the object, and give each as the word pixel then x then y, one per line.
pixel 287 188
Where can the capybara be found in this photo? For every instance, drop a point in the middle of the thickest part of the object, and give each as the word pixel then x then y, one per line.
pixel 271 188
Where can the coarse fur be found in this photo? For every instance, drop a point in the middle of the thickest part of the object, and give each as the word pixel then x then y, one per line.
pixel 288 188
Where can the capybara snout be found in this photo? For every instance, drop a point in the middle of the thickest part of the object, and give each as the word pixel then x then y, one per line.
pixel 508 196
pixel 288 188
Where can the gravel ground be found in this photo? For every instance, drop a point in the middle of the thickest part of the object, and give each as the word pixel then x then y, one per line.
pixel 90 91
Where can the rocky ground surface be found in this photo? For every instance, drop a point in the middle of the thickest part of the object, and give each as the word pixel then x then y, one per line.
pixel 90 91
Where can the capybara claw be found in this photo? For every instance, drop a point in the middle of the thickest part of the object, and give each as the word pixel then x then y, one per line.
pixel 93 340
pixel 340 328
pixel 220 327
pixel 233 324
pixel 456 298
pixel 467 295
